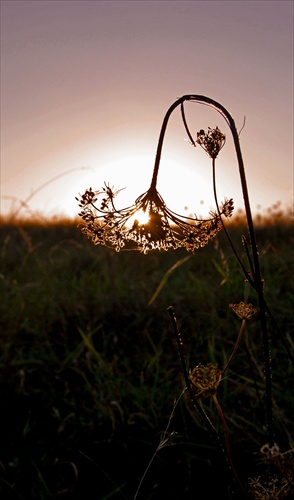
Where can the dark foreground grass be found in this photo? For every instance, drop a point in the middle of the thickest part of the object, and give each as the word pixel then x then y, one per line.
pixel 90 374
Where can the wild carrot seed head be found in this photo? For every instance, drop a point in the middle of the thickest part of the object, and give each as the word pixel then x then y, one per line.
pixel 211 141
pixel 162 229
pixel 206 378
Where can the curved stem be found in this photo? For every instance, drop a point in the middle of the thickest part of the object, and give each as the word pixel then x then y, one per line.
pixel 160 141
pixel 258 284
pixel 186 125
pixel 226 115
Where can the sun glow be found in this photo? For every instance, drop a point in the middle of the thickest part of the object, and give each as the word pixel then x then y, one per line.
pixel 107 225
pixel 184 185
pixel 139 218
pixel 183 182
pixel 184 189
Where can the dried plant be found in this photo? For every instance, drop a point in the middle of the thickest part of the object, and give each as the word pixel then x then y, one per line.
pixel 212 141
pixel 163 229
pixel 243 310
pixel 206 378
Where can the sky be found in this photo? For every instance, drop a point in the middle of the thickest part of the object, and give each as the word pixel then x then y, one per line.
pixel 85 86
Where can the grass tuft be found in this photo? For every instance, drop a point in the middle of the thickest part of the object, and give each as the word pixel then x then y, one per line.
pixel 89 370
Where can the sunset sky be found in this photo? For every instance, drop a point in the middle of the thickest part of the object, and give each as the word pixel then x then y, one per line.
pixel 85 86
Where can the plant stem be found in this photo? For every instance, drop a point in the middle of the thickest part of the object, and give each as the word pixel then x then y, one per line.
pixel 236 346
pixel 227 443
pixel 209 425
pixel 256 283
pixel 246 274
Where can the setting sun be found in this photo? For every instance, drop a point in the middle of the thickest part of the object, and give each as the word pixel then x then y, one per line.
pixel 185 189
pixel 83 95
pixel 140 218
pixel 146 249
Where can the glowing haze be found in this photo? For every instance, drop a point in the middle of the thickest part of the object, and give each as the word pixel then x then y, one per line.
pixel 86 84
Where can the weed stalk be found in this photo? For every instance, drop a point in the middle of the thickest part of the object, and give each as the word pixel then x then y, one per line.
pixel 199 408
pixel 256 279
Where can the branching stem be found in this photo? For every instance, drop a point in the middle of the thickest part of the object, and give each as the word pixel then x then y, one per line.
pixel 197 405
pixel 256 280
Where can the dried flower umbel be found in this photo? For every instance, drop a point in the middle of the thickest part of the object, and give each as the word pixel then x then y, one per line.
pixel 206 378
pixel 243 310
pixel 163 229
pixel 212 141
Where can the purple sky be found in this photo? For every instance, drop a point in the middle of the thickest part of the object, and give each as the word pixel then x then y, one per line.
pixel 86 84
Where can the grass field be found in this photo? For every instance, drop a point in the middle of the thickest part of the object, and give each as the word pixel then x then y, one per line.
pixel 91 383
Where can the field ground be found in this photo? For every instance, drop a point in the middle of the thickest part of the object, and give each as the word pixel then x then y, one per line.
pixel 90 371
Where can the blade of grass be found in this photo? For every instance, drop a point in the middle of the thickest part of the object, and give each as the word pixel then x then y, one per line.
pixel 166 276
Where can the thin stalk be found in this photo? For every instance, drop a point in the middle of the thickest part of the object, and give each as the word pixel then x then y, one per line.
pixel 262 308
pixel 244 241
pixel 236 346
pixel 227 443
pixel 160 141
pixel 186 125
pixel 209 425
pixel 246 274
pixel 163 442
pixel 282 336
pixel 188 384
pixel 257 279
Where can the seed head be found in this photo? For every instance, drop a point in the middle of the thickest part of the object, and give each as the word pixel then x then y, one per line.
pixel 162 230
pixel 212 141
pixel 206 378
pixel 243 311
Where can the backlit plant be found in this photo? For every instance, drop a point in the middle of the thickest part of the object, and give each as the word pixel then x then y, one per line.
pixel 163 229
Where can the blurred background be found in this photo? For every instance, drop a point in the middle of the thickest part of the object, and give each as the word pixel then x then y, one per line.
pixel 86 84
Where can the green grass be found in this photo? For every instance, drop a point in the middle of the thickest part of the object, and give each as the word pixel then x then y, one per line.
pixel 89 372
